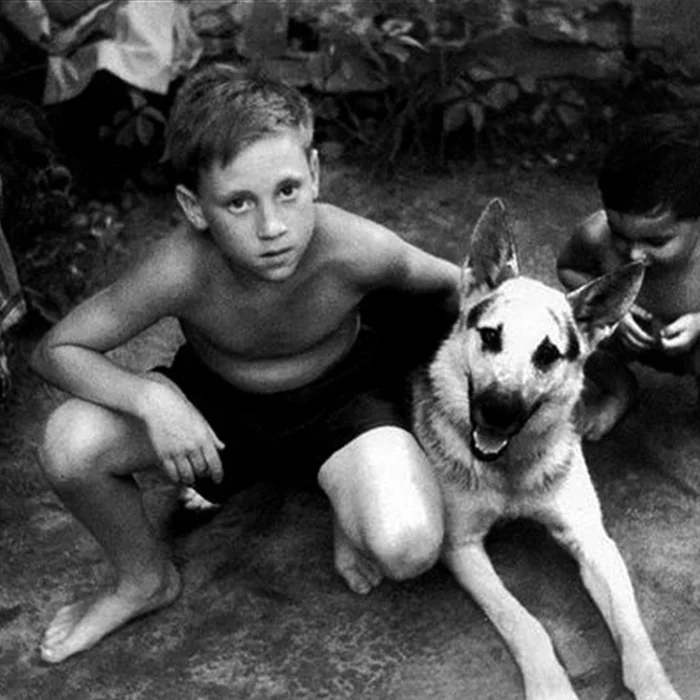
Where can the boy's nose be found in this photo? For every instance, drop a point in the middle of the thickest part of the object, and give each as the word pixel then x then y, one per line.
pixel 272 225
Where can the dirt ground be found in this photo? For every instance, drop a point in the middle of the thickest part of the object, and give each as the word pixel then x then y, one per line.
pixel 263 615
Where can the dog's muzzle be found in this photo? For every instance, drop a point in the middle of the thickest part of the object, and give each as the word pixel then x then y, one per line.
pixel 496 416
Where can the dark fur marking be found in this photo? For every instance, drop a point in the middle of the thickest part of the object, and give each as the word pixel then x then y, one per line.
pixel 546 354
pixel 492 339
pixel 477 311
pixel 573 350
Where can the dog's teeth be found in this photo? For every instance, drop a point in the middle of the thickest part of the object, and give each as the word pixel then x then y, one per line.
pixel 488 442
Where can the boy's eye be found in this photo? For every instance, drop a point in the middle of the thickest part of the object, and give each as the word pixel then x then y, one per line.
pixel 288 190
pixel 240 204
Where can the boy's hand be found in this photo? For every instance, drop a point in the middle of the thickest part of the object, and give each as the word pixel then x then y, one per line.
pixel 632 330
pixel 186 445
pixel 681 335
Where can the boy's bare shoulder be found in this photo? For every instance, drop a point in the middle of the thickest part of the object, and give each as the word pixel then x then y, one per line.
pixel 363 247
pixel 172 267
pixel 356 234
pixel 594 230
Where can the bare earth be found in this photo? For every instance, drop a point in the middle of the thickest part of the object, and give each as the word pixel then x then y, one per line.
pixel 264 616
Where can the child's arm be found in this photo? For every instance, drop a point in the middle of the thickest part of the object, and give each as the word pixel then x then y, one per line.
pixel 681 335
pixel 589 254
pixel 71 356
pixel 377 258
pixel 581 258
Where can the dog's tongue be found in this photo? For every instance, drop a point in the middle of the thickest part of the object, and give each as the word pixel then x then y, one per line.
pixel 489 442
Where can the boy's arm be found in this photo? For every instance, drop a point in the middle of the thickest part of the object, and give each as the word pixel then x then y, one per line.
pixel 377 258
pixel 409 296
pixel 581 258
pixel 71 356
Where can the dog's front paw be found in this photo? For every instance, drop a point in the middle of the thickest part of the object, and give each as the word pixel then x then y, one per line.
pixel 660 690
pixel 551 689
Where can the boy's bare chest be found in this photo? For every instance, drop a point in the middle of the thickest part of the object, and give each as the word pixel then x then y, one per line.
pixel 272 324
pixel 670 294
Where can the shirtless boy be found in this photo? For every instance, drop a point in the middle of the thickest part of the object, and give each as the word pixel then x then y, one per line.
pixel 278 376
pixel 650 189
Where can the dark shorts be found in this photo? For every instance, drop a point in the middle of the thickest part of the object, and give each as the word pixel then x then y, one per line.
pixel 287 436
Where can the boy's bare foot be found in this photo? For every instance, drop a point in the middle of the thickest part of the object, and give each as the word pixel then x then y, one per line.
pixel 601 417
pixel 79 626
pixel 361 574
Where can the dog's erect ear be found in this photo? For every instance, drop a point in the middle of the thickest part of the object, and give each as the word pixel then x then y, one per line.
pixel 492 257
pixel 600 304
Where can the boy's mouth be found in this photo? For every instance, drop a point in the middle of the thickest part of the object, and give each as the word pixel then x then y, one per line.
pixel 276 253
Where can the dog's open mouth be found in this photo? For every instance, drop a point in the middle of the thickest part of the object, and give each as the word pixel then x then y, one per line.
pixel 488 444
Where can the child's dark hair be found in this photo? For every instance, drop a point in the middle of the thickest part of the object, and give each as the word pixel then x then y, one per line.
pixel 219 111
pixel 654 167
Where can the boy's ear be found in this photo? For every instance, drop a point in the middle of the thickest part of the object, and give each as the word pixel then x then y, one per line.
pixel 600 304
pixel 189 203
pixel 315 167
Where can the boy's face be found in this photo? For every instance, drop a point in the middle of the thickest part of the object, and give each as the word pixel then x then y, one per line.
pixel 660 241
pixel 259 208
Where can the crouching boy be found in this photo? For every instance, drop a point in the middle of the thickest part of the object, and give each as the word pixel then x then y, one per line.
pixel 650 188
pixel 278 377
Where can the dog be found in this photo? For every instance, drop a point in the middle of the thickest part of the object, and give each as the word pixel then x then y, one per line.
pixel 497 412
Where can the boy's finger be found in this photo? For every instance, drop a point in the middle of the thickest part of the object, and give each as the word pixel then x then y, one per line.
pixel 184 469
pixel 213 461
pixel 219 444
pixel 198 463
pixel 171 469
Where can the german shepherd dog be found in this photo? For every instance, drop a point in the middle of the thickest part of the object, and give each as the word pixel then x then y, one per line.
pixel 496 412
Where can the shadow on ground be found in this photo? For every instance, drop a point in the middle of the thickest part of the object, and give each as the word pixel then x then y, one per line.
pixel 263 615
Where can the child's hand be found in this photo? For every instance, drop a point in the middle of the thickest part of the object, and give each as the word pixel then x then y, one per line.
pixel 631 332
pixel 681 335
pixel 186 445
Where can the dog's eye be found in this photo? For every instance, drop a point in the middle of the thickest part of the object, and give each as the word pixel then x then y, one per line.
pixel 491 339
pixel 546 354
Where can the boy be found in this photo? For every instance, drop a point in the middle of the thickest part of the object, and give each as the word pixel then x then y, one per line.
pixel 277 378
pixel 650 189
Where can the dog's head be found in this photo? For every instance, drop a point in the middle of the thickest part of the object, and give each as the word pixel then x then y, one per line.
pixel 522 343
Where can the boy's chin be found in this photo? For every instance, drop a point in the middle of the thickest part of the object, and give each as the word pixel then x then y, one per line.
pixel 279 273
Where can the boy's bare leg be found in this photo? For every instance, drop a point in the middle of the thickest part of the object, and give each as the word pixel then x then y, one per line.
pixel 387 507
pixel 89 456
pixel 610 391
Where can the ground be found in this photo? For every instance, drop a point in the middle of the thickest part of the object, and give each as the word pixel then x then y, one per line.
pixel 263 614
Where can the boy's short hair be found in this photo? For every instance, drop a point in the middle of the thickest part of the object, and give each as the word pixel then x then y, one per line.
pixel 220 110
pixel 654 167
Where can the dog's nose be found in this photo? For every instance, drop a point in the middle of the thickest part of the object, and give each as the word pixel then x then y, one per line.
pixel 498 410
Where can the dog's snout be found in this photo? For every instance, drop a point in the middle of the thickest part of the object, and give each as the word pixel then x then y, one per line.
pixel 498 410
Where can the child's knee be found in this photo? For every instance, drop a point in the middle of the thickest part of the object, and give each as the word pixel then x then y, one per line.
pixel 408 551
pixel 74 440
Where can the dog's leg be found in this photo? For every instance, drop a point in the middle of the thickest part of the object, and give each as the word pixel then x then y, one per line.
pixel 543 676
pixel 577 524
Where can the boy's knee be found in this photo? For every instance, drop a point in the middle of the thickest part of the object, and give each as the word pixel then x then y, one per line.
pixel 406 552
pixel 74 439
